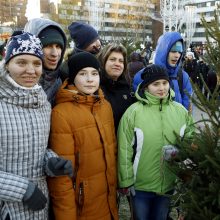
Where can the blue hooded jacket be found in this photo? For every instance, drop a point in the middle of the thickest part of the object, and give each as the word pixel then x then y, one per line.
pixel 164 44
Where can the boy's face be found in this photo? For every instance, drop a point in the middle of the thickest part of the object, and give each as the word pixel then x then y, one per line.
pixel 159 88
pixel 87 80
pixel 94 47
pixel 52 55
pixel 173 58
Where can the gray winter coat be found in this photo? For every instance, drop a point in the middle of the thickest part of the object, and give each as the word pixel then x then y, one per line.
pixel 24 131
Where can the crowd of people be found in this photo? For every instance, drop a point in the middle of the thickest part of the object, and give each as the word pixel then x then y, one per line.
pixel 80 126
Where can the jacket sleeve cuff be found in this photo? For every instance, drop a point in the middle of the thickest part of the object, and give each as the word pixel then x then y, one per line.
pixel 13 187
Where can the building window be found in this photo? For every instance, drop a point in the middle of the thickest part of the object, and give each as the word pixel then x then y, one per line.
pixel 208 4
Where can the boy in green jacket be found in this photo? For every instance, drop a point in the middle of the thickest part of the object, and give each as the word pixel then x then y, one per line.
pixel 146 140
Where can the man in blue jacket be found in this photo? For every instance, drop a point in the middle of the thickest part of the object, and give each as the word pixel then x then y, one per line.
pixel 168 54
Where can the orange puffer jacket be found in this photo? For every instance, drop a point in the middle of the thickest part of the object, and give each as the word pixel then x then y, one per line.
pixel 82 130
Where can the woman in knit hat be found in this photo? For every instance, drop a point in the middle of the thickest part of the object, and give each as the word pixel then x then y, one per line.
pixel 146 141
pixel 24 130
pixel 191 66
pixel 82 130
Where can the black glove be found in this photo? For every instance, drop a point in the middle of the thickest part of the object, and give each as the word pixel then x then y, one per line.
pixel 34 198
pixel 57 166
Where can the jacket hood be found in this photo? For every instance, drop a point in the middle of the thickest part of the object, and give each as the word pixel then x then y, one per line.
pixel 36 25
pixel 164 44
pixel 69 93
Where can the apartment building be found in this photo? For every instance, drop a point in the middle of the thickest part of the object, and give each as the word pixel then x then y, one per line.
pixel 205 8
pixel 114 19
pixel 12 13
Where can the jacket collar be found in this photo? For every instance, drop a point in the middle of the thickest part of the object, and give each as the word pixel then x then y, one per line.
pixel 26 98
pixel 69 93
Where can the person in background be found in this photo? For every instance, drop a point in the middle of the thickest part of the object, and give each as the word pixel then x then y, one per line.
pixel 143 151
pixel 134 66
pixel 191 67
pixel 25 112
pixel 85 38
pixel 168 54
pixel 82 130
pixel 212 82
pixel 53 40
pixel 203 69
pixel 2 50
pixel 113 61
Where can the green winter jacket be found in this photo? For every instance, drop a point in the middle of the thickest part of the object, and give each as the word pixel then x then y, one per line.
pixel 144 129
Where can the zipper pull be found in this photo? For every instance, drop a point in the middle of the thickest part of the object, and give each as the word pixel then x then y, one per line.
pixel 161 100
pixel 81 197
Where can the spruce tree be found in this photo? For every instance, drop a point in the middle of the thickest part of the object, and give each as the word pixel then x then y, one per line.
pixel 197 193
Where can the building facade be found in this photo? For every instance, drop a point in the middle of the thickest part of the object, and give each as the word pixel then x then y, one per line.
pixel 114 19
pixel 12 13
pixel 185 16
pixel 205 8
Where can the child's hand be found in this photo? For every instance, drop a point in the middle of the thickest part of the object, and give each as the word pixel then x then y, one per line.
pixel 169 152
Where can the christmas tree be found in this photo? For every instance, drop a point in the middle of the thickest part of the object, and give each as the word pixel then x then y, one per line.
pixel 197 193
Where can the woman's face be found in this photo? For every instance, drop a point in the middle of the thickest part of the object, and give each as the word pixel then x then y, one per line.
pixel 25 70
pixel 114 65
pixel 159 88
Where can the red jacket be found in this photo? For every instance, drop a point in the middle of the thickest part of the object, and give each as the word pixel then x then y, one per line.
pixel 82 130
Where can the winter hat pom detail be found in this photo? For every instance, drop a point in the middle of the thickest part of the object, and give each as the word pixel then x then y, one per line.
pixel 25 43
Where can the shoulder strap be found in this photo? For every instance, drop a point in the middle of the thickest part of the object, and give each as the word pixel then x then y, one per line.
pixel 179 78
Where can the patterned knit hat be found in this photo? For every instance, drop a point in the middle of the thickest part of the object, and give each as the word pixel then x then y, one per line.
pixel 25 43
pixel 82 34
pixel 153 73
pixel 79 61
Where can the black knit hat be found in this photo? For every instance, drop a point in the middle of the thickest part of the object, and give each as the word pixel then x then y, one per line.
pixel 51 35
pixel 152 73
pixel 79 61
pixel 82 34
pixel 25 43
